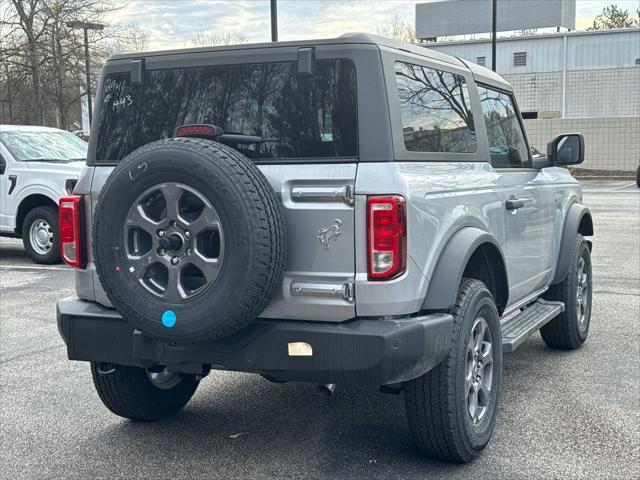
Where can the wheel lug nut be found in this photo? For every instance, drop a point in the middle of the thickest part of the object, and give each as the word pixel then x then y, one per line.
pixel 187 234
pixel 163 252
pixel 175 260
pixel 161 233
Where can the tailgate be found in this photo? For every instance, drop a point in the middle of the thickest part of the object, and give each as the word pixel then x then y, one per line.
pixel 318 281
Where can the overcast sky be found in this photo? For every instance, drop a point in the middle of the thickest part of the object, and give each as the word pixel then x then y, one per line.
pixel 173 23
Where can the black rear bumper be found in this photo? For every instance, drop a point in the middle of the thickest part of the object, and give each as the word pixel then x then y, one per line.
pixel 359 352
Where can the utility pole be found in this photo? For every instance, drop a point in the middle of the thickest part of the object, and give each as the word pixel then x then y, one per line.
pixel 494 27
pixel 86 26
pixel 274 20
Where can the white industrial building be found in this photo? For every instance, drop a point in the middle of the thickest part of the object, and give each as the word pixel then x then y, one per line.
pixel 587 81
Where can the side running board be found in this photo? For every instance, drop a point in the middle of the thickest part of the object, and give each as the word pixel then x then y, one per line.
pixel 520 327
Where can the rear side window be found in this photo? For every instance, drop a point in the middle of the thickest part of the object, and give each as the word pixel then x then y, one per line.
pixel 435 109
pixel 507 146
pixel 296 116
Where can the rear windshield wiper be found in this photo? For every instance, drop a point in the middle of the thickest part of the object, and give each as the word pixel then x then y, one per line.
pixel 235 138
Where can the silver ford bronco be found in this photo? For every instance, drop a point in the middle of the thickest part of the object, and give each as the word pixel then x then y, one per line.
pixel 344 211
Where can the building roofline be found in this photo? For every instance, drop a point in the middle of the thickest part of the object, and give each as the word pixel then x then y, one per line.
pixel 577 33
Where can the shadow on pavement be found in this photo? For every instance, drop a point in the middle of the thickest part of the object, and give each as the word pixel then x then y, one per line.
pixel 13 252
pixel 286 430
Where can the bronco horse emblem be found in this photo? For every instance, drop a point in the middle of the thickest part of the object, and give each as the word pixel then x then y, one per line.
pixel 331 232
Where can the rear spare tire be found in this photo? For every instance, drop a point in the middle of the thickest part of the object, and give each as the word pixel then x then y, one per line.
pixel 189 240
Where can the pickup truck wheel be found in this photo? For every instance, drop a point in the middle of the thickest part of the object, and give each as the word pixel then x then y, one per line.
pixel 452 409
pixel 139 394
pixel 189 240
pixel 569 330
pixel 40 235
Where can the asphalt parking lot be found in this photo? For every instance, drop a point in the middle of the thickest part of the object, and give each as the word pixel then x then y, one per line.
pixel 563 414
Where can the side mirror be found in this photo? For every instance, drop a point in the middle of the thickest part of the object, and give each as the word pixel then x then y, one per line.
pixel 3 165
pixel 538 160
pixel 566 149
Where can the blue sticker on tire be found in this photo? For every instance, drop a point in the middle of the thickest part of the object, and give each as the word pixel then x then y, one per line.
pixel 169 318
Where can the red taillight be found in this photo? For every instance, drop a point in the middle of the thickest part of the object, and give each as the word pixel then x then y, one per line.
pixel 199 130
pixel 386 237
pixel 70 223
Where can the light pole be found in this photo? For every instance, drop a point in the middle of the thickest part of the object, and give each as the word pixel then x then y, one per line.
pixel 86 26
pixel 494 27
pixel 274 20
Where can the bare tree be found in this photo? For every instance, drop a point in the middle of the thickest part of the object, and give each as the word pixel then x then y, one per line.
pixel 399 30
pixel 203 38
pixel 25 34
pixel 43 58
pixel 130 38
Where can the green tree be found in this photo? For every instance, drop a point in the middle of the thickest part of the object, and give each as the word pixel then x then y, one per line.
pixel 613 17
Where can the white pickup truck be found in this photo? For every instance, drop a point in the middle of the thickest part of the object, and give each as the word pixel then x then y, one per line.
pixel 38 165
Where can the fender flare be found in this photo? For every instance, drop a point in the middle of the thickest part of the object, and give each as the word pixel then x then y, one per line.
pixel 577 215
pixel 25 195
pixel 447 275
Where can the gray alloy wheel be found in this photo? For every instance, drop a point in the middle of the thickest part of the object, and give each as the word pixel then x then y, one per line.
pixel 174 241
pixel 41 236
pixel 582 295
pixel 479 370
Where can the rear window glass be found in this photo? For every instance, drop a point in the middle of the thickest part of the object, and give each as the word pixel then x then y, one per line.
pixel 296 116
pixel 435 109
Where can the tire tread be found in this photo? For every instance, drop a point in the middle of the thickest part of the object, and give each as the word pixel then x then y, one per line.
pixel 128 393
pixel 431 399
pixel 562 332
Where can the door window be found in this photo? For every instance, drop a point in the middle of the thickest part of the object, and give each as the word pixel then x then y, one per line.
pixel 507 145
pixel 435 109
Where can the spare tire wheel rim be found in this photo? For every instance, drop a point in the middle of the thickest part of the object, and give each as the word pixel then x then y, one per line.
pixel 174 241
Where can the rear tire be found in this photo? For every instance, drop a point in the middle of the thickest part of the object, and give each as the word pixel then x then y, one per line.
pixel 569 330
pixel 130 392
pixel 40 235
pixel 439 403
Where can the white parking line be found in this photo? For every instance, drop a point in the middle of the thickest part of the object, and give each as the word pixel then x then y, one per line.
pixel 623 186
pixel 33 267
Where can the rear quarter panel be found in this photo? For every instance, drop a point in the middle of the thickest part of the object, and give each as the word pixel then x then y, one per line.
pixel 442 198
